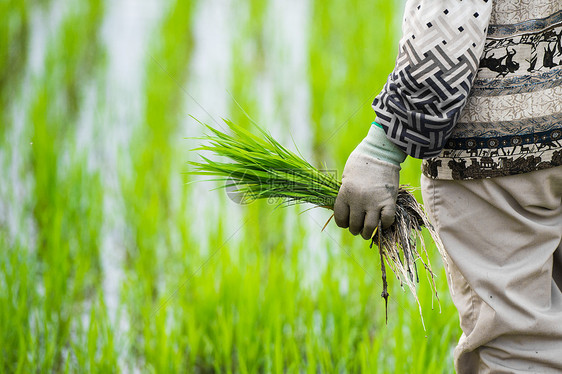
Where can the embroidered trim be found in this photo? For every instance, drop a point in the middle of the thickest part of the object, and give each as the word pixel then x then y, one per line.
pixel 486 146
pixel 521 55
pixel 489 167
pixel 500 31
pixel 526 83
pixel 499 129
pixel 475 158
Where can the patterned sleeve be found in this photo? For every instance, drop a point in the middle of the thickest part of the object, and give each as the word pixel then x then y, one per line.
pixel 438 59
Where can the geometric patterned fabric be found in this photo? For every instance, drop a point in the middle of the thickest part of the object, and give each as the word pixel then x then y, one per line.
pixel 437 62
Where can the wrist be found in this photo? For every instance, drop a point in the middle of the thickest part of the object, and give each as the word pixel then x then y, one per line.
pixel 377 145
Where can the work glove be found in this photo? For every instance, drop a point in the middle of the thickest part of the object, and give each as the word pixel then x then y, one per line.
pixel 369 185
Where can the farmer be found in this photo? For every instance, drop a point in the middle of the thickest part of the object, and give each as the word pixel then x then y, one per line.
pixel 477 94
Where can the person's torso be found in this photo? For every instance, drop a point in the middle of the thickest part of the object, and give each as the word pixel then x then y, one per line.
pixel 512 122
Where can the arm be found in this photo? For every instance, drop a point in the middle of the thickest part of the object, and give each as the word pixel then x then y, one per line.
pixel 416 111
pixel 438 59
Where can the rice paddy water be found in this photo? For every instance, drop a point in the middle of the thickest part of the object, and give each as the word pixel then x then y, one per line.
pixel 110 262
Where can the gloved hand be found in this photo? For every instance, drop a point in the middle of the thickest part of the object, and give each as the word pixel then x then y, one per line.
pixel 369 185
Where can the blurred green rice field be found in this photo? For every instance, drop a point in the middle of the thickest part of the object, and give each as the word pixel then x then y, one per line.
pixel 112 261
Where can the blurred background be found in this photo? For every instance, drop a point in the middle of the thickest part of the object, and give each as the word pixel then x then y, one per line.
pixel 111 260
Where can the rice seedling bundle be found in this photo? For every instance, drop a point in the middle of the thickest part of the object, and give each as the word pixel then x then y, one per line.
pixel 256 166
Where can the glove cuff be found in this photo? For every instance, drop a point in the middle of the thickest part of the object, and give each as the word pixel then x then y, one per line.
pixel 377 145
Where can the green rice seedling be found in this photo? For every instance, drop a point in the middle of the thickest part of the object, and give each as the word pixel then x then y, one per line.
pixel 261 168
pixel 258 167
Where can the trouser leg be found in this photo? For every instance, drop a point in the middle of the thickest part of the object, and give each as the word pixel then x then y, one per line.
pixel 557 268
pixel 503 237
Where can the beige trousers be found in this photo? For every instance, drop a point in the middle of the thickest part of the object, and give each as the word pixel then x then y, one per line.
pixel 503 238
